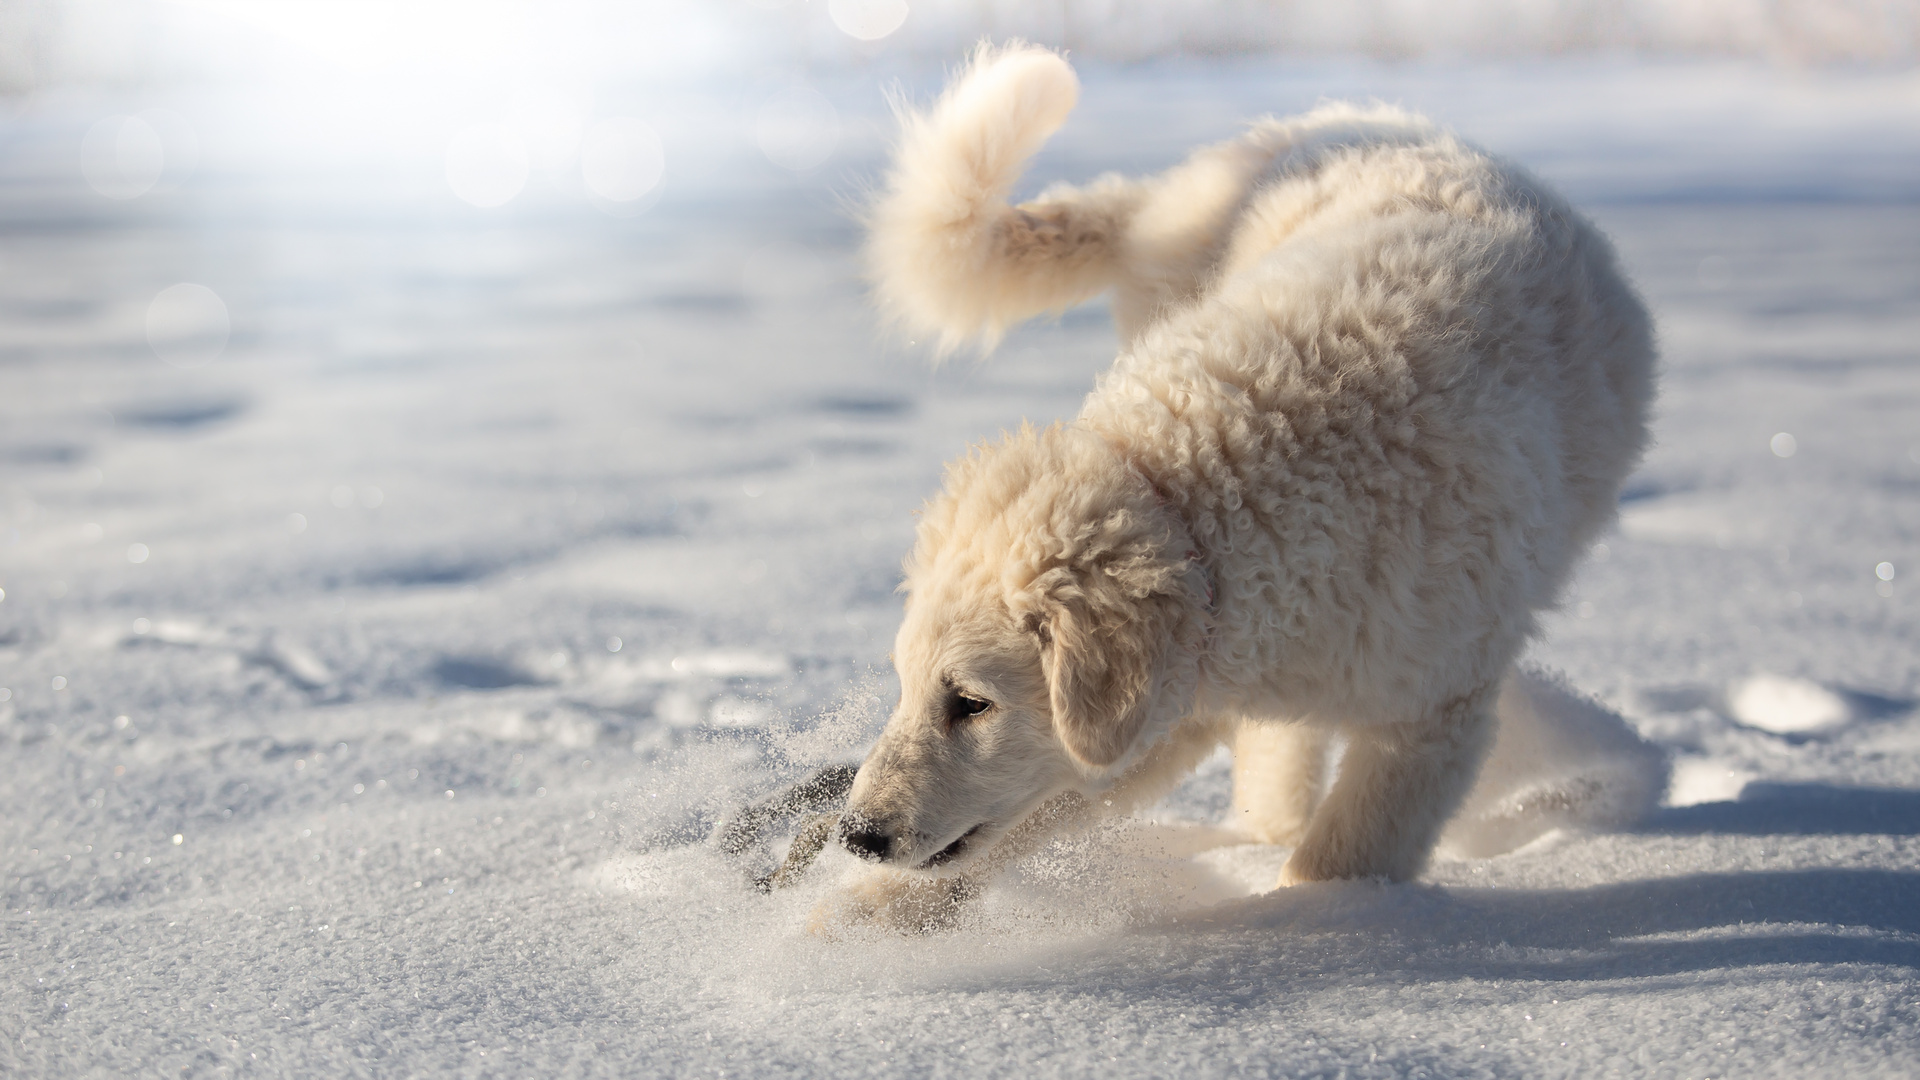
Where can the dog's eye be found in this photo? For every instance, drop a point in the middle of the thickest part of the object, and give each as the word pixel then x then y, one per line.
pixel 966 706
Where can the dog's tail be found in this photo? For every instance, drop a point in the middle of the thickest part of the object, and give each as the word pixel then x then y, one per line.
pixel 947 256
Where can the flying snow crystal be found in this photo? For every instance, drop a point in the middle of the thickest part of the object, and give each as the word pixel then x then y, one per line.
pixel 296 523
pixel 1884 571
pixel 59 682
pixel 868 20
pixel 137 553
pixel 613 644
pixel 122 157
pixel 187 325
pixel 1786 706
pixel 486 165
pixel 729 664
pixel 733 712
pixel 1783 445
pixel 621 159
pixel 797 129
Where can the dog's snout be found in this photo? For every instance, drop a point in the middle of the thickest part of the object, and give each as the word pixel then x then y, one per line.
pixel 865 837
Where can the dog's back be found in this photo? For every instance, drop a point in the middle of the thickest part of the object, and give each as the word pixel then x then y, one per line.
pixel 1393 383
pixel 1395 416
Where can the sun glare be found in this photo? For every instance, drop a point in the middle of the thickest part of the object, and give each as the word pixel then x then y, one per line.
pixel 485 99
pixel 370 35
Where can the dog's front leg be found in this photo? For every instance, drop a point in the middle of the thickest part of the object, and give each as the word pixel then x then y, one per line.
pixel 1279 771
pixel 1398 785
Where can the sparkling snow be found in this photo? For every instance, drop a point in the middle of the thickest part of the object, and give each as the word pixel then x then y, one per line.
pixel 397 591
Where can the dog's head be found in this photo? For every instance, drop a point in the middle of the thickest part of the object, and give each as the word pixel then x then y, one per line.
pixel 1052 628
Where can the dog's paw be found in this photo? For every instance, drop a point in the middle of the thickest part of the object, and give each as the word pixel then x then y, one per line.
pixel 1315 862
pixel 1289 877
pixel 903 903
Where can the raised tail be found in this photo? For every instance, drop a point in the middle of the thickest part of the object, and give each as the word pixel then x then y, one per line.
pixel 948 257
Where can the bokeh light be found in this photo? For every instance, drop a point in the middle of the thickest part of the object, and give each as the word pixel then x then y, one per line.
pixel 486 165
pixel 123 157
pixel 550 120
pixel 797 128
pixel 867 20
pixel 187 325
pixel 621 159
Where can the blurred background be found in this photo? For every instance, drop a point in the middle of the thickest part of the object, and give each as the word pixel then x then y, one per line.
pixel 374 352
pixel 458 426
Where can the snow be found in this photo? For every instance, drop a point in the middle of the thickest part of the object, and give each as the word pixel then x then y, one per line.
pixel 373 685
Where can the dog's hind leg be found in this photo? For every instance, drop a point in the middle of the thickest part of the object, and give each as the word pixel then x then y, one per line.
pixel 1279 773
pixel 1398 784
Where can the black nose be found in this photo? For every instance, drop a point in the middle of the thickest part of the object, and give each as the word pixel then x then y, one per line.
pixel 865 837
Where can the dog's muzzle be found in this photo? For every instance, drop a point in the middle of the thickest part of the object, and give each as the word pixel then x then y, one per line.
pixel 866 837
pixel 952 851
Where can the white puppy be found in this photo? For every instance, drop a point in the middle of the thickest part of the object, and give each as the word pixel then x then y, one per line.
pixel 1376 396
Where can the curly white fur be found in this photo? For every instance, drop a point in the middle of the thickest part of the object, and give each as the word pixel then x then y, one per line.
pixel 1377 395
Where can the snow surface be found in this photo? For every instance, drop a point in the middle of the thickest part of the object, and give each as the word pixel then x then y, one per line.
pixel 372 687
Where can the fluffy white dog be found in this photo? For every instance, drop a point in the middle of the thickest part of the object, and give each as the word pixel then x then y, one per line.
pixel 1376 396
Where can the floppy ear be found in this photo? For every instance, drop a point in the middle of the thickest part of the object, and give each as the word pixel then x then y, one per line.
pixel 1102 651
